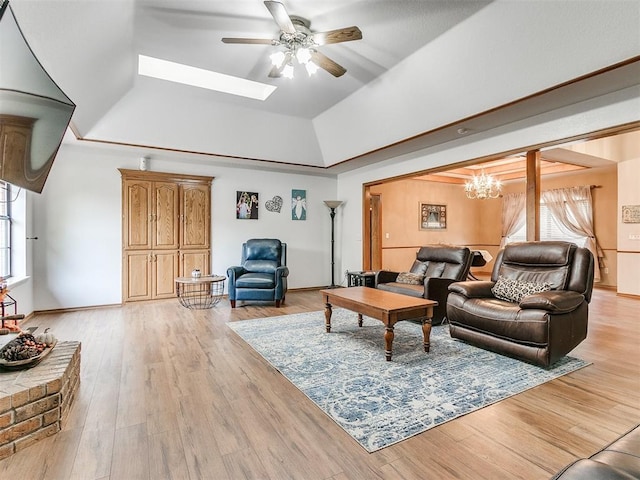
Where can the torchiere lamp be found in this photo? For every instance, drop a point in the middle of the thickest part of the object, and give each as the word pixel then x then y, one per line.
pixel 332 204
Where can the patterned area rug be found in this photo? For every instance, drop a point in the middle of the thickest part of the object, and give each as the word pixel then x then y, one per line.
pixel 380 403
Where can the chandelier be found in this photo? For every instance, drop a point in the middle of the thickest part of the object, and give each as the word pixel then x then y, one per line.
pixel 482 186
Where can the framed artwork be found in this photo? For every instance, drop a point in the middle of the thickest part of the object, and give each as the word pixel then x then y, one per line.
pixel 433 217
pixel 298 204
pixel 247 205
pixel 631 214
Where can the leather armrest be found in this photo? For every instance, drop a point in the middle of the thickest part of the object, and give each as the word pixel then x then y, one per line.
pixel 282 271
pixel 436 287
pixel 281 274
pixel 472 289
pixel 385 276
pixel 557 301
pixel 235 272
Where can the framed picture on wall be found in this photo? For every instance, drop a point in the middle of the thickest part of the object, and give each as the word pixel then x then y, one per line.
pixel 631 214
pixel 433 217
pixel 298 204
pixel 247 205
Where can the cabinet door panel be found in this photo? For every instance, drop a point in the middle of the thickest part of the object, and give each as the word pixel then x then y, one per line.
pixel 166 205
pixel 137 281
pixel 14 148
pixel 195 216
pixel 165 271
pixel 137 217
pixel 195 259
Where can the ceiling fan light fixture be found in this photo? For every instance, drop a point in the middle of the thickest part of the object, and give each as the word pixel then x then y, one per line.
pixel 287 71
pixel 303 55
pixel 299 42
pixel 311 67
pixel 277 58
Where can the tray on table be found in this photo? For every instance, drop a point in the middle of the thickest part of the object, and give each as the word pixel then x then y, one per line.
pixel 27 362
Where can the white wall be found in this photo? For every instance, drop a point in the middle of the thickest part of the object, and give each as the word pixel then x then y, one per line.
pixel 226 129
pixel 77 219
pixel 628 249
pixel 77 259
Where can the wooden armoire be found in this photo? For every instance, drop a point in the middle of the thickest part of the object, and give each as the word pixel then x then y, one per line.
pixel 166 220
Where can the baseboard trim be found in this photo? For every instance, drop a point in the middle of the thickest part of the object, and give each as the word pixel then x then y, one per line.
pixel 628 295
pixel 120 305
pixel 612 288
pixel 306 289
pixel 74 309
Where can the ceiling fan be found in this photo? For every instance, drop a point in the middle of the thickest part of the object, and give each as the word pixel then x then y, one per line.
pixel 300 43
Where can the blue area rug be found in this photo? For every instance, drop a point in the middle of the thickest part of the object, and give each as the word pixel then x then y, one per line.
pixel 380 403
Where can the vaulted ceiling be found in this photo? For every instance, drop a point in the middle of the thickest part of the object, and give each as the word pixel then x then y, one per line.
pixel 423 71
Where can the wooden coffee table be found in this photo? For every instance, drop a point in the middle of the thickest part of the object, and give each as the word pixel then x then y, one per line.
pixel 387 307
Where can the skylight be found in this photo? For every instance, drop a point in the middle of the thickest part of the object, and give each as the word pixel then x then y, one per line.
pixel 198 77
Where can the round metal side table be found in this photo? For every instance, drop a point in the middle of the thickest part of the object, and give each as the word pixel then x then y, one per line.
pixel 198 293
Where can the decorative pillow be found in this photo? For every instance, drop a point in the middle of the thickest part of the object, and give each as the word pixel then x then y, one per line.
pixel 410 278
pixel 515 290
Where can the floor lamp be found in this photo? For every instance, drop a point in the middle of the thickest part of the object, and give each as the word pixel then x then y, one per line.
pixel 332 204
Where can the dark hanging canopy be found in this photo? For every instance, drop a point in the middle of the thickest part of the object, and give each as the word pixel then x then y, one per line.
pixel 34 112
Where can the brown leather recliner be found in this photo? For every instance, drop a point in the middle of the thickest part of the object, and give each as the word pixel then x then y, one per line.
pixel 539 328
pixel 439 266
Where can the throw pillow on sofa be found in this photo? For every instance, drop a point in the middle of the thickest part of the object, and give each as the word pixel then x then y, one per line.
pixel 410 278
pixel 514 290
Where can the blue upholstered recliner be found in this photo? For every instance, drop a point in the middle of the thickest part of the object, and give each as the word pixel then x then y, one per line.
pixel 263 273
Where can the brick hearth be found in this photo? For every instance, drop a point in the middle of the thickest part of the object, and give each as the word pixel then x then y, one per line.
pixel 35 402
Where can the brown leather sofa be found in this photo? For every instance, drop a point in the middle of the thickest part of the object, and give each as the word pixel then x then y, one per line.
pixel 436 267
pixel 540 327
pixel 620 460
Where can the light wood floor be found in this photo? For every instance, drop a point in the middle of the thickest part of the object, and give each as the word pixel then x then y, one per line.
pixel 169 393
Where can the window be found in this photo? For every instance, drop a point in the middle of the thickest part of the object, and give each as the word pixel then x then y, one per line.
pixel 5 229
pixel 550 229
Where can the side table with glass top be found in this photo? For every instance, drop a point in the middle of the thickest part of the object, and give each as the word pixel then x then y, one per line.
pixel 198 293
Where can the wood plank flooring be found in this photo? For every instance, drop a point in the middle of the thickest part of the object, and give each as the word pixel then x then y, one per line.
pixel 171 393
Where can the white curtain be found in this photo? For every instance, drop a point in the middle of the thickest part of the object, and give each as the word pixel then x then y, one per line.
pixel 513 215
pixel 572 208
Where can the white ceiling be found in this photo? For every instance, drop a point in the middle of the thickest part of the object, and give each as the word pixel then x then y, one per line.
pixel 190 32
pixel 421 66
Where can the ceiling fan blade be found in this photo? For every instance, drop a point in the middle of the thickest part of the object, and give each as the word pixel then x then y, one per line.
pixel 336 36
pixel 326 63
pixel 280 15
pixel 256 41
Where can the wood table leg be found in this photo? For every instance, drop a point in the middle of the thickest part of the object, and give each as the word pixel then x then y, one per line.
pixel 388 341
pixel 359 319
pixel 327 317
pixel 426 333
